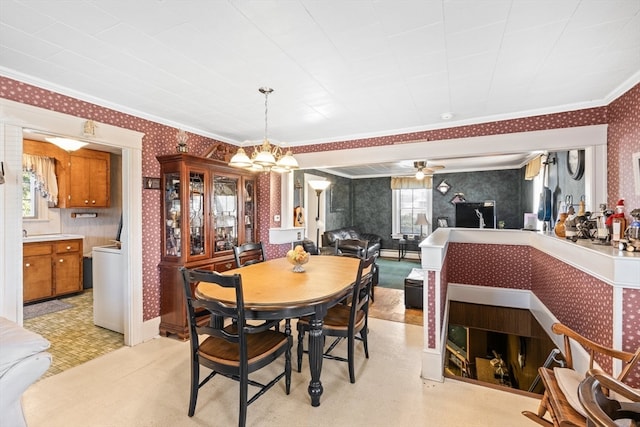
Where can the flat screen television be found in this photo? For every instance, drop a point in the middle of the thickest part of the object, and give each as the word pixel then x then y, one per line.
pixel 467 214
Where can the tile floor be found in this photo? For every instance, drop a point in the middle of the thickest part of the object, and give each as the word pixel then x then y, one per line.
pixel 73 336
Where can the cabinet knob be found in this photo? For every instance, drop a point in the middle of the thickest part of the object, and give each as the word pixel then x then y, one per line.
pixel 27 265
pixel 61 260
pixel 68 248
pixel 86 202
pixel 228 266
pixel 93 202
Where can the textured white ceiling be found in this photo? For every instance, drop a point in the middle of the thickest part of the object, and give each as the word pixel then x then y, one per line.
pixel 340 69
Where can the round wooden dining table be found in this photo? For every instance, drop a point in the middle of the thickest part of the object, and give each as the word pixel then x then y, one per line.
pixel 273 291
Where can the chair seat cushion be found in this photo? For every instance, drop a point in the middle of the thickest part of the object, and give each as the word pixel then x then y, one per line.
pixel 568 381
pixel 259 346
pixel 17 344
pixel 337 318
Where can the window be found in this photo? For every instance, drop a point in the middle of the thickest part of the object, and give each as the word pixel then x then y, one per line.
pixel 29 202
pixel 407 204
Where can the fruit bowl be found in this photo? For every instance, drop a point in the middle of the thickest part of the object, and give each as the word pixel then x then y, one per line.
pixel 297 256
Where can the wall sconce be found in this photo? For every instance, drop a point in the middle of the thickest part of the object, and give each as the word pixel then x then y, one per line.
pixel 443 187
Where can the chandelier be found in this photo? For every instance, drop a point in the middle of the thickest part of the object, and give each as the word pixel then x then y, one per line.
pixel 266 156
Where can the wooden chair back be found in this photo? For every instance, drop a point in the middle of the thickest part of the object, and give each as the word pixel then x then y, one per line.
pixel 629 359
pixel 248 253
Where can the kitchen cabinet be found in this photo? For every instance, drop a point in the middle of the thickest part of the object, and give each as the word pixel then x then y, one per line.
pixel 84 176
pixel 89 180
pixel 37 274
pixel 84 179
pixel 51 269
pixel 207 209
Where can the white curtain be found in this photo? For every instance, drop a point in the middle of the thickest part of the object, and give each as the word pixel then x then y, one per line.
pixel 410 183
pixel 44 170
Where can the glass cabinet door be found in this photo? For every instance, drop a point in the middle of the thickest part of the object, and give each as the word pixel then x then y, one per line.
pixel 196 221
pixel 225 211
pixel 173 233
pixel 249 210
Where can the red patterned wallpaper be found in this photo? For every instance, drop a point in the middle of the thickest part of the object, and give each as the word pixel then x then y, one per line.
pixel 431 308
pixel 577 299
pixel 591 116
pixel 623 137
pixel 504 266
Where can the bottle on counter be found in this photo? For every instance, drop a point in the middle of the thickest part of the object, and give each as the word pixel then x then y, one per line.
pixel 618 223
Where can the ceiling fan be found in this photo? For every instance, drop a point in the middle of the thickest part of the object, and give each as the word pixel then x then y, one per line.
pixel 424 170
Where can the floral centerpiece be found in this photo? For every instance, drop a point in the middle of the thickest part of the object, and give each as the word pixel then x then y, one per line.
pixel 297 256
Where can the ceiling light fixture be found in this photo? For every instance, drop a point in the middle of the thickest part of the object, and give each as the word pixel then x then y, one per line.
pixel 67 144
pixel 424 170
pixel 265 157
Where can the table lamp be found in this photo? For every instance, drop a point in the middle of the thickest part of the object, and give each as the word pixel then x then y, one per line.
pixel 421 220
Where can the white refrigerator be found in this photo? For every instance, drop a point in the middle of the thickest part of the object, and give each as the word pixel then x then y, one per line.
pixel 108 288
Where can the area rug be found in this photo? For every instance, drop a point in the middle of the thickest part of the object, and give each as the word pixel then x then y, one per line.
pixel 42 308
pixel 393 272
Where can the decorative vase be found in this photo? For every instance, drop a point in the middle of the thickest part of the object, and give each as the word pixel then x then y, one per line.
pixel 559 229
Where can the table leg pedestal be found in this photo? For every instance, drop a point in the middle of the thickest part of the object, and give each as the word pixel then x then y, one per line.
pixel 316 347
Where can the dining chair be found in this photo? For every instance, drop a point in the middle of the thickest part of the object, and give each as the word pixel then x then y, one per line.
pixel 345 320
pixel 358 248
pixel 235 350
pixel 248 253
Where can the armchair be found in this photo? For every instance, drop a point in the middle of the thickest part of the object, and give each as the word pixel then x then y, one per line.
pixel 23 360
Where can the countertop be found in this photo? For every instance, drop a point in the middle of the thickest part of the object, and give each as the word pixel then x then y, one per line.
pixel 50 237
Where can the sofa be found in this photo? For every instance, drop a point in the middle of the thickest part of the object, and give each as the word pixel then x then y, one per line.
pixel 347 233
pixel 23 360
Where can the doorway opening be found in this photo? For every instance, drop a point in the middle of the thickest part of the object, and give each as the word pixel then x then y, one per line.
pixel 130 143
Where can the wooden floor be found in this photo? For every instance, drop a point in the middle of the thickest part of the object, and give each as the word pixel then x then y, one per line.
pixel 389 305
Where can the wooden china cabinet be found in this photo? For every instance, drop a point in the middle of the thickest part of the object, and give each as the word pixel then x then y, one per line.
pixel 207 209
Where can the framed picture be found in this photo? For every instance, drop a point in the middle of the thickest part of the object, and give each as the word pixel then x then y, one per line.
pixel 443 221
pixel 636 171
pixel 151 183
pixel 338 198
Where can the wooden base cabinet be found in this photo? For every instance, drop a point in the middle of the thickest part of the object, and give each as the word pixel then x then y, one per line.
pixel 51 269
pixel 207 209
pixel 37 274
